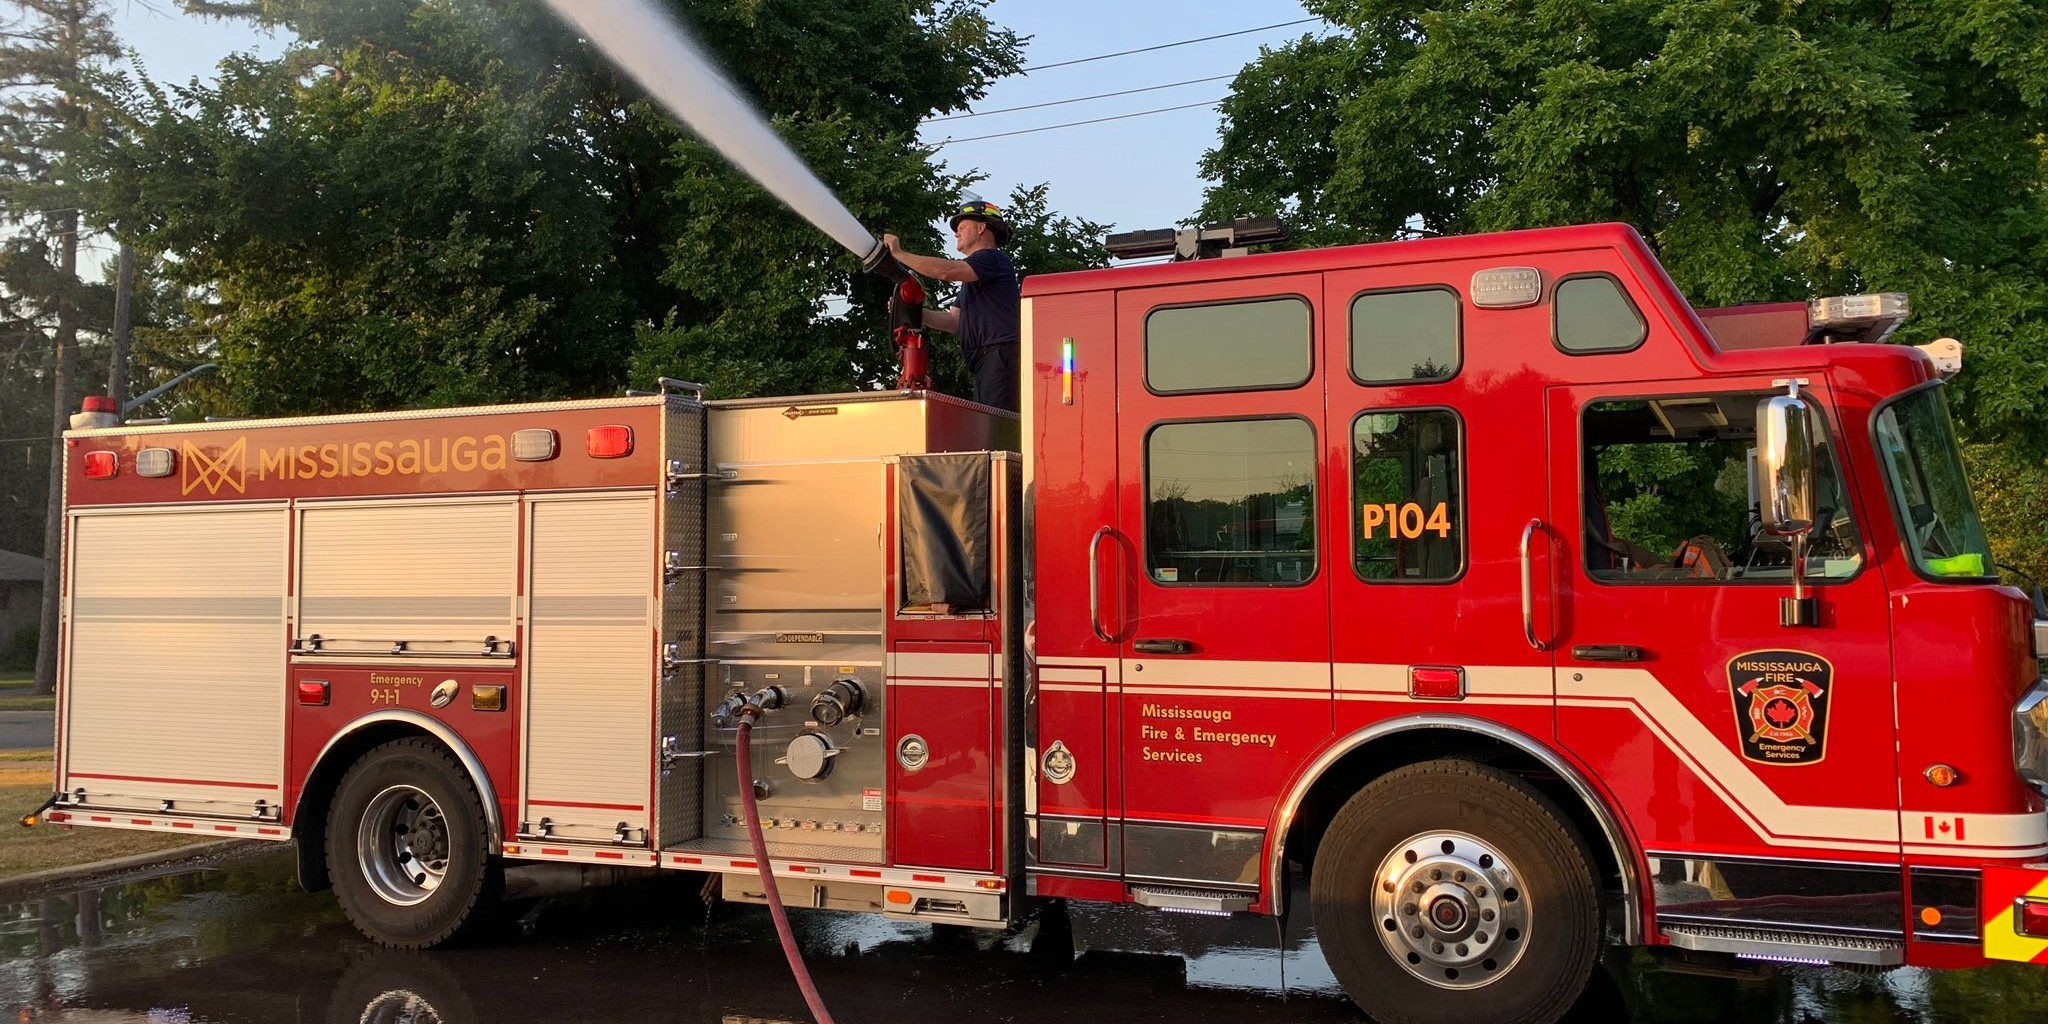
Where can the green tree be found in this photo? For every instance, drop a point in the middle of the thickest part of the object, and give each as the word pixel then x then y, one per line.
pixel 1767 151
pixel 451 201
pixel 52 65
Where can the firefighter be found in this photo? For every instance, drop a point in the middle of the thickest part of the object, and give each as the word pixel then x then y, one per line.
pixel 985 319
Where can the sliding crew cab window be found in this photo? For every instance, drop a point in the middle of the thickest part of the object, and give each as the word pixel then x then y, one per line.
pixel 1670 494
pixel 1255 345
pixel 1404 337
pixel 1407 482
pixel 1594 314
pixel 1231 502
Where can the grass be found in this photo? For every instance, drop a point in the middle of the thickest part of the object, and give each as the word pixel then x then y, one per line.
pixel 15 695
pixel 22 850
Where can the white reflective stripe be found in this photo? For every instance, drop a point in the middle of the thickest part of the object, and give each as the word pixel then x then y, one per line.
pixel 1148 692
pixel 1638 692
pixel 1247 675
pixel 1094 687
pixel 1776 822
pixel 940 684
pixel 940 666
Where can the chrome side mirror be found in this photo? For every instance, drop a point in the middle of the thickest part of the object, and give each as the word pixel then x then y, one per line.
pixel 1785 453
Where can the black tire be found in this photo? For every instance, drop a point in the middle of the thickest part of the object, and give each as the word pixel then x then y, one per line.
pixel 1507 906
pixel 425 869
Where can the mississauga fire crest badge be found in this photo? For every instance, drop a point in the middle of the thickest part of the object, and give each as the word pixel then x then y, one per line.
pixel 1781 705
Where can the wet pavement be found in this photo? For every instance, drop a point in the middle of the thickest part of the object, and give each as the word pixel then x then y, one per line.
pixel 240 943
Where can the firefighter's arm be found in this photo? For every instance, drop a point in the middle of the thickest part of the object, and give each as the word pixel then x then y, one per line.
pixel 935 267
pixel 947 320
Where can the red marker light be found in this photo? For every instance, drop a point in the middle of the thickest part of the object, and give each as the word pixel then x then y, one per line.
pixel 2030 917
pixel 611 441
pixel 313 692
pixel 1436 683
pixel 102 465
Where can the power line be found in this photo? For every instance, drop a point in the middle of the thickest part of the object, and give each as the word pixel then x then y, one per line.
pixel 1168 46
pixel 1077 124
pixel 1077 99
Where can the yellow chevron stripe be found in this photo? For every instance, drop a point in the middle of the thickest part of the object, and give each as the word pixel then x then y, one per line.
pixel 2002 941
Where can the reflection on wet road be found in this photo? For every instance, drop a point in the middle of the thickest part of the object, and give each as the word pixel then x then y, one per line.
pixel 240 943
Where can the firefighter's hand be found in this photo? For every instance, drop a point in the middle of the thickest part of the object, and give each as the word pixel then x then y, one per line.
pixel 895 244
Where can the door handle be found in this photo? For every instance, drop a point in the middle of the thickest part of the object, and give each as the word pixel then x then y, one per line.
pixel 1609 652
pixel 1164 645
pixel 1528 586
pixel 1095 585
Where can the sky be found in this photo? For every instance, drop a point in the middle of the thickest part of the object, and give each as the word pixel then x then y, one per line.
pixel 1132 173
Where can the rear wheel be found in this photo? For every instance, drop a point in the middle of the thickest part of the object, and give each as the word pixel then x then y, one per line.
pixel 1448 892
pixel 406 846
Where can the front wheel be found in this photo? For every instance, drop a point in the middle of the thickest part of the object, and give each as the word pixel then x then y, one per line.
pixel 406 848
pixel 1448 892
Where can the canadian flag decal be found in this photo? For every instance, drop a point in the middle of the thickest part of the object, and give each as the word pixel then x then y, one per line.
pixel 1943 828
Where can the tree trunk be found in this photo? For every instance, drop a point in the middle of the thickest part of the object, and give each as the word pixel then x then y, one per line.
pixel 124 306
pixel 63 371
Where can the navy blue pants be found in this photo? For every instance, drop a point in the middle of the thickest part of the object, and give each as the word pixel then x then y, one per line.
pixel 995 375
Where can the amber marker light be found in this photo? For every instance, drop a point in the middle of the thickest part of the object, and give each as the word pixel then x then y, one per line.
pixel 1942 775
pixel 898 897
pixel 487 698
pixel 1930 916
pixel 611 441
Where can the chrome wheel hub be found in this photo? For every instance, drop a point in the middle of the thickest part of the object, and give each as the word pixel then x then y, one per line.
pixel 402 845
pixel 1450 910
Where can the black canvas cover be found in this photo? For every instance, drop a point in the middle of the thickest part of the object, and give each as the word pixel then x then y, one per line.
pixel 943 502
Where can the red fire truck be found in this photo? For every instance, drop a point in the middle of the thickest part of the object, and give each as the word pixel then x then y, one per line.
pixel 1481 583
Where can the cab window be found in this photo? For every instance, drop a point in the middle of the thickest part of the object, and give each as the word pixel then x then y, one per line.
pixel 1593 314
pixel 1407 482
pixel 1403 337
pixel 1669 487
pixel 1258 345
pixel 1230 502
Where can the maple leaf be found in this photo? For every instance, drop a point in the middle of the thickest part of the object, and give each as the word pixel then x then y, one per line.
pixel 1781 713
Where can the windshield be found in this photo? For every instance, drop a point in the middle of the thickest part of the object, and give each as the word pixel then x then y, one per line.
pixel 1924 470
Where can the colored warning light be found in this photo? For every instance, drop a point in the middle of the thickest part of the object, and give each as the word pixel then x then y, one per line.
pixel 1436 683
pixel 101 465
pixel 1067 371
pixel 1942 775
pixel 2031 918
pixel 1930 916
pixel 611 441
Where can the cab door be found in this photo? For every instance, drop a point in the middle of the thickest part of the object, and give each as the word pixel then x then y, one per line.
pixel 1715 724
pixel 1225 636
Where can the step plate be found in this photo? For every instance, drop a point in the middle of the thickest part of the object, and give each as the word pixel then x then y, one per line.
pixel 1197 900
pixel 1767 944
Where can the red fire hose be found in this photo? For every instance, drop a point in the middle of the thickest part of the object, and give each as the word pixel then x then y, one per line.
pixel 789 950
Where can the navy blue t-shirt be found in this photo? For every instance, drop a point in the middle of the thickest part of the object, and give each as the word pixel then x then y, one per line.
pixel 988 305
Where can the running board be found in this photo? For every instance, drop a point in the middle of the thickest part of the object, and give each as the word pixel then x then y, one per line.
pixel 1190 901
pixel 1786 947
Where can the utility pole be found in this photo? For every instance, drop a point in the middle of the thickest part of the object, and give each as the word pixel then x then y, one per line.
pixel 124 314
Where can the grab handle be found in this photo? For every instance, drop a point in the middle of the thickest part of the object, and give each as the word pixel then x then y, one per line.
pixel 1095 585
pixel 1528 588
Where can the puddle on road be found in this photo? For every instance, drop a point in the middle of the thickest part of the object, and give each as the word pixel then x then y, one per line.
pixel 239 943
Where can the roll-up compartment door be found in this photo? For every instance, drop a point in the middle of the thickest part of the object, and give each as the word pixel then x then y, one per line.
pixel 590 668
pixel 174 684
pixel 436 576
